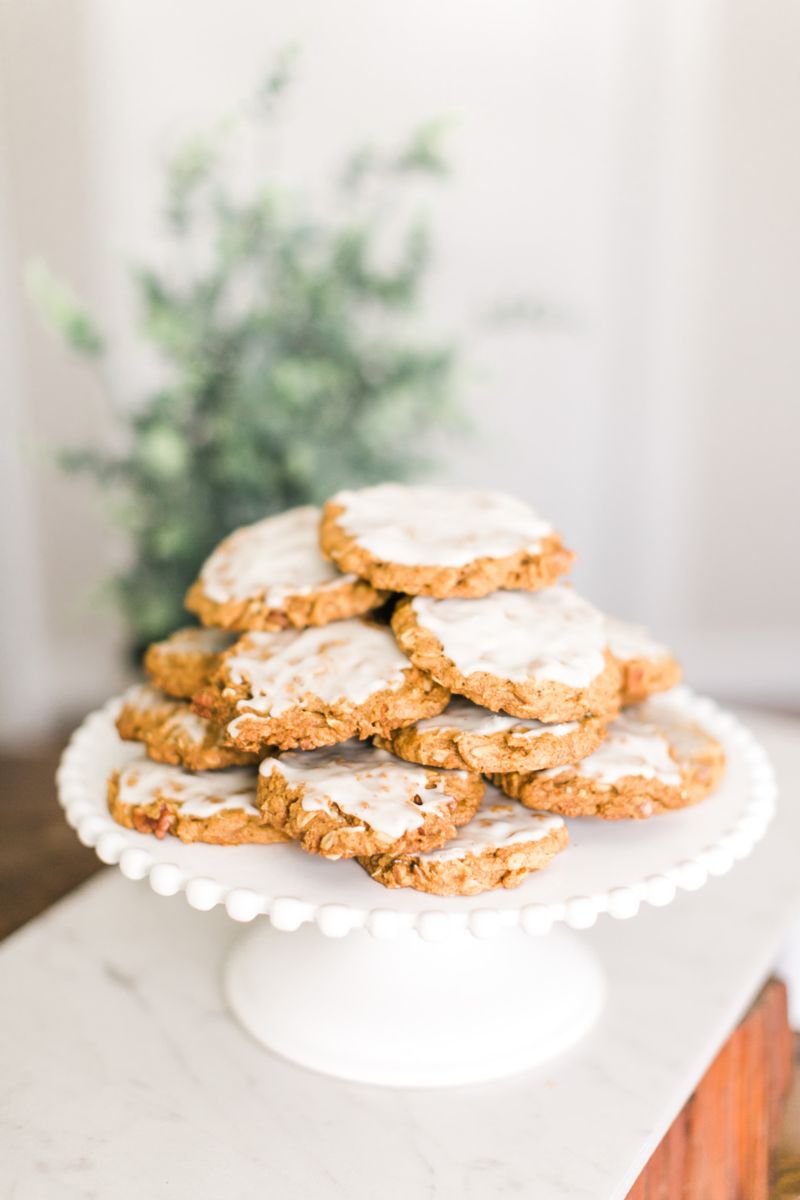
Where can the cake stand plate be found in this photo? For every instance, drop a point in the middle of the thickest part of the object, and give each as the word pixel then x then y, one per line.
pixel 406 989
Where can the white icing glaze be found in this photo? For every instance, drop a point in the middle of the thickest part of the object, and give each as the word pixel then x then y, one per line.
pixel 145 697
pixel 626 641
pixel 199 793
pixel 369 784
pixel 184 721
pixel 345 661
pixel 271 560
pixel 201 641
pixel 686 738
pixel 177 714
pixel 462 716
pixel 438 526
pixel 635 745
pixel 551 635
pixel 498 823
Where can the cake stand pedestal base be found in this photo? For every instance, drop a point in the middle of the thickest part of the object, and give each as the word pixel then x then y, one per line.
pixel 412 1013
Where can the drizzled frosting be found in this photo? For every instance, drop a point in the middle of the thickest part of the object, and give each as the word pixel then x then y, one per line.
pixel 497 824
pixel 177 714
pixel 145 698
pixel 626 641
pixel 199 641
pixel 550 635
pixel 436 526
pixel 637 744
pixel 345 661
pixel 462 716
pixel 197 793
pixel 366 783
pixel 270 560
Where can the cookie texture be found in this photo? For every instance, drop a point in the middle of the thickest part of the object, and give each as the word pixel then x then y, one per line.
pixel 647 666
pixel 530 654
pixel 466 737
pixel 437 541
pixel 651 762
pixel 271 575
pixel 317 687
pixel 355 799
pixel 499 847
pixel 183 663
pixel 216 806
pixel 172 733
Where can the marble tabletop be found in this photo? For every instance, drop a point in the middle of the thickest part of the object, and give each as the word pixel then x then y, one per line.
pixel 124 1076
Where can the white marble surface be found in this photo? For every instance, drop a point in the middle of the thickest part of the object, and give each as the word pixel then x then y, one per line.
pixel 123 1075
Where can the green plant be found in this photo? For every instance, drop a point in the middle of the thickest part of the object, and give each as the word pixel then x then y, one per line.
pixel 291 363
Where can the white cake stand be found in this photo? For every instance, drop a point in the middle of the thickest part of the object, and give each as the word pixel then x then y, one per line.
pixel 402 988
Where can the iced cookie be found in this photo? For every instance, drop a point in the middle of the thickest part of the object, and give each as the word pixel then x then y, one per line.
pixel 647 666
pixel 470 738
pixel 209 806
pixel 316 687
pixel 354 799
pixel 172 733
pixel 650 762
pixel 183 663
pixel 271 575
pixel 437 541
pixel 531 654
pixel 502 844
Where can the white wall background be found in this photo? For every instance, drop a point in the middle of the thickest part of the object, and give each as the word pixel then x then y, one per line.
pixel 635 164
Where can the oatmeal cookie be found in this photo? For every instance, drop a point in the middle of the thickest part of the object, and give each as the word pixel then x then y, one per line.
pixel 172 733
pixel 438 541
pixel 301 689
pixel 651 761
pixel 530 654
pixel 470 738
pixel 499 847
pixel 183 663
pixel 207 806
pixel 647 666
pixel 272 575
pixel 354 799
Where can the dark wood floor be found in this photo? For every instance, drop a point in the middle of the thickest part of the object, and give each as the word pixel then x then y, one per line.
pixel 40 857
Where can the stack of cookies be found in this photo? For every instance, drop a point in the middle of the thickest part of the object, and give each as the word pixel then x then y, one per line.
pixel 403 680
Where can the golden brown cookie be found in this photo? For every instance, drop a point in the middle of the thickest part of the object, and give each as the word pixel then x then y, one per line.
pixel 651 761
pixel 218 807
pixel 271 575
pixel 438 541
pixel 172 733
pixel 499 847
pixel 647 666
pixel 354 799
pixel 468 738
pixel 530 654
pixel 184 662
pixel 316 687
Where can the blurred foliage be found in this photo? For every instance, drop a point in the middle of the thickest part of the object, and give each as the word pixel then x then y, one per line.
pixel 292 364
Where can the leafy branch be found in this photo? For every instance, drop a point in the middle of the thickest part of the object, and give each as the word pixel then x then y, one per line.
pixel 291 363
